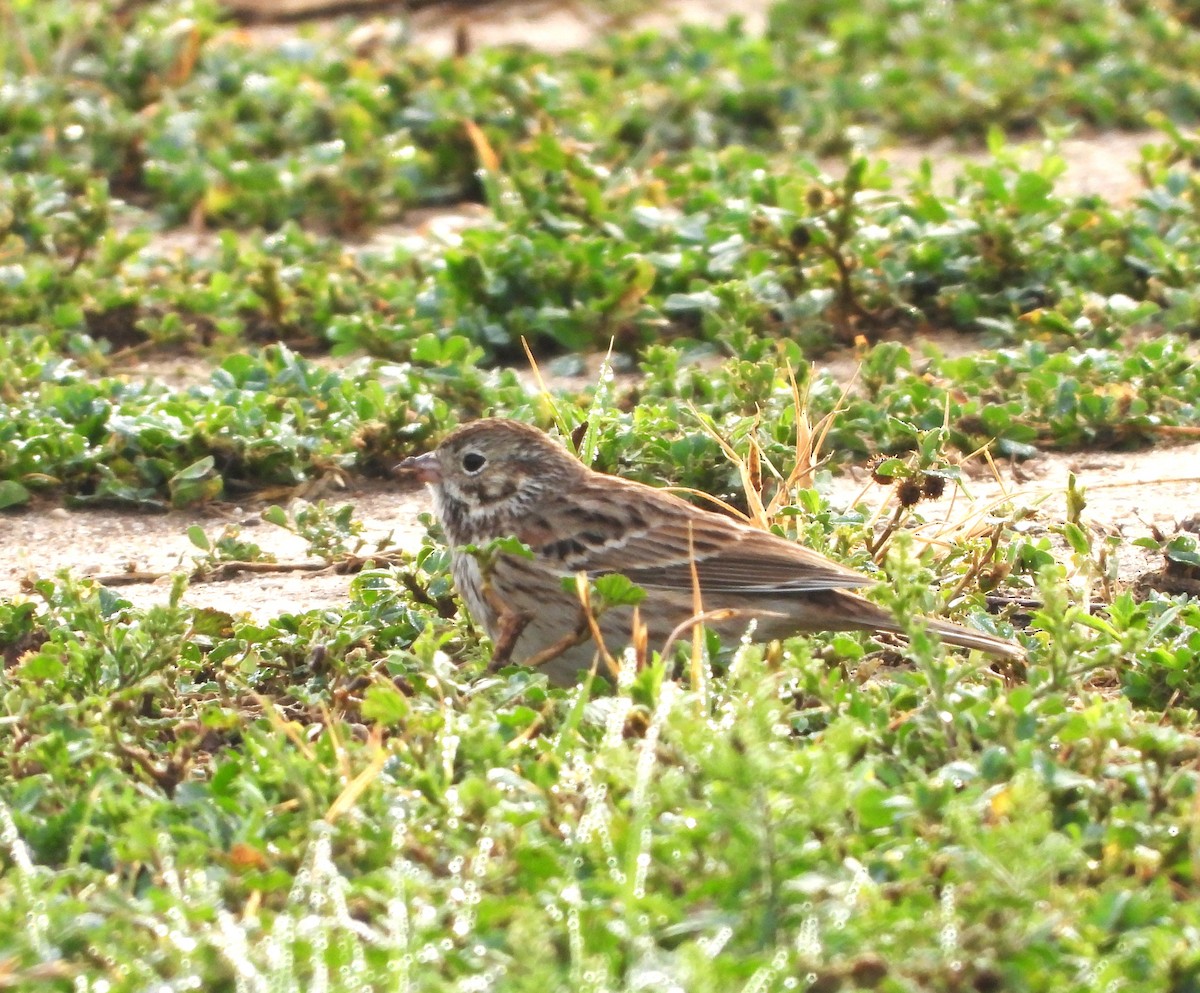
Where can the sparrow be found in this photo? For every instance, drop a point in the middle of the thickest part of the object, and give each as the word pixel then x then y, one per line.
pixel 497 478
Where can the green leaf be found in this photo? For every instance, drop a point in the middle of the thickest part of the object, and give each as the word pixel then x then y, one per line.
pixel 12 494
pixel 618 591
pixel 890 468
pixel 384 704
pixel 1077 538
pixel 702 301
pixel 198 538
pixel 200 469
pixel 1032 191
pixel 111 602
pixel 1183 550
pixel 499 546
pixel 878 807
pixel 276 515
pixel 1076 499
pixel 196 484
pixel 212 623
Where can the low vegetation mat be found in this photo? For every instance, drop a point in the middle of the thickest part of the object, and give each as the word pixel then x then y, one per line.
pixel 348 798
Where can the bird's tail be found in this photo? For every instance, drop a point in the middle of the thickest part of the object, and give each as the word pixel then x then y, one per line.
pixel 873 617
pixel 964 637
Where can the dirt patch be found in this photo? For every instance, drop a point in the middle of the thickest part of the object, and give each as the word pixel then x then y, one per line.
pixel 553 26
pixel 444 29
pixel 40 543
pixel 1103 164
pixel 1127 495
pixel 424 229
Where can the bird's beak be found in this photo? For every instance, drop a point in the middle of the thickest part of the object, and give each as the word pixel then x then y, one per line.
pixel 426 466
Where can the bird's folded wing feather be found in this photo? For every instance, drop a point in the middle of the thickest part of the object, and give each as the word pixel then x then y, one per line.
pixel 656 550
pixel 751 563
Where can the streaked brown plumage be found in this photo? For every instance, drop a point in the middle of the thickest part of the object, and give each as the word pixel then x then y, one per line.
pixel 498 478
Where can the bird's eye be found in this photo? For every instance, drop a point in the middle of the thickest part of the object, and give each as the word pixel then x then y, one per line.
pixel 473 462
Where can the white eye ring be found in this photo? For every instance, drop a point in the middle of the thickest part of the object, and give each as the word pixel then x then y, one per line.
pixel 473 462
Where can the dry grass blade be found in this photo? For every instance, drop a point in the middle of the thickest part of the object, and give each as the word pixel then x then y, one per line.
pixel 544 391
pixel 809 441
pixel 974 523
pixel 290 728
pixel 754 461
pixel 185 61
pixel 825 424
pixel 727 508
pixel 358 785
pixel 13 29
pixel 533 729
pixel 585 600
pixel 715 616
pixel 533 367
pixel 806 447
pixel 757 514
pixel 339 750
pixel 691 623
pixel 697 611
pixel 488 159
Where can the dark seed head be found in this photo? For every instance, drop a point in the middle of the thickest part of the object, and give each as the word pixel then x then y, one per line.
pixel 577 436
pixel 933 486
pixel 909 492
pixel 873 464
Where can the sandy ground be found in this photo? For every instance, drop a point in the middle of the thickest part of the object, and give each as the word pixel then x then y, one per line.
pixel 444 28
pixel 1128 493
pixel 100 543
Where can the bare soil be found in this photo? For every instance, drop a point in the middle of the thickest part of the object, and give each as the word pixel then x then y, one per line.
pixel 105 543
pixel 1129 495
pixel 446 28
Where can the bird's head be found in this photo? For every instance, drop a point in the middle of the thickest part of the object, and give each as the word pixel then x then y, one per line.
pixel 494 466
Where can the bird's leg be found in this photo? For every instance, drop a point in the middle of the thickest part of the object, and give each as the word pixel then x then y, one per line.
pixel 511 625
pixel 578 636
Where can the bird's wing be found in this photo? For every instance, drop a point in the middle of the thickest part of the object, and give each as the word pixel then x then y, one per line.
pixel 653 538
pixel 748 561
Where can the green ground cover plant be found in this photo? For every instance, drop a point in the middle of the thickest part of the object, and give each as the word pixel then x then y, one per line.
pixel 1095 307
pixel 346 798
pixel 939 828
pixel 173 110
